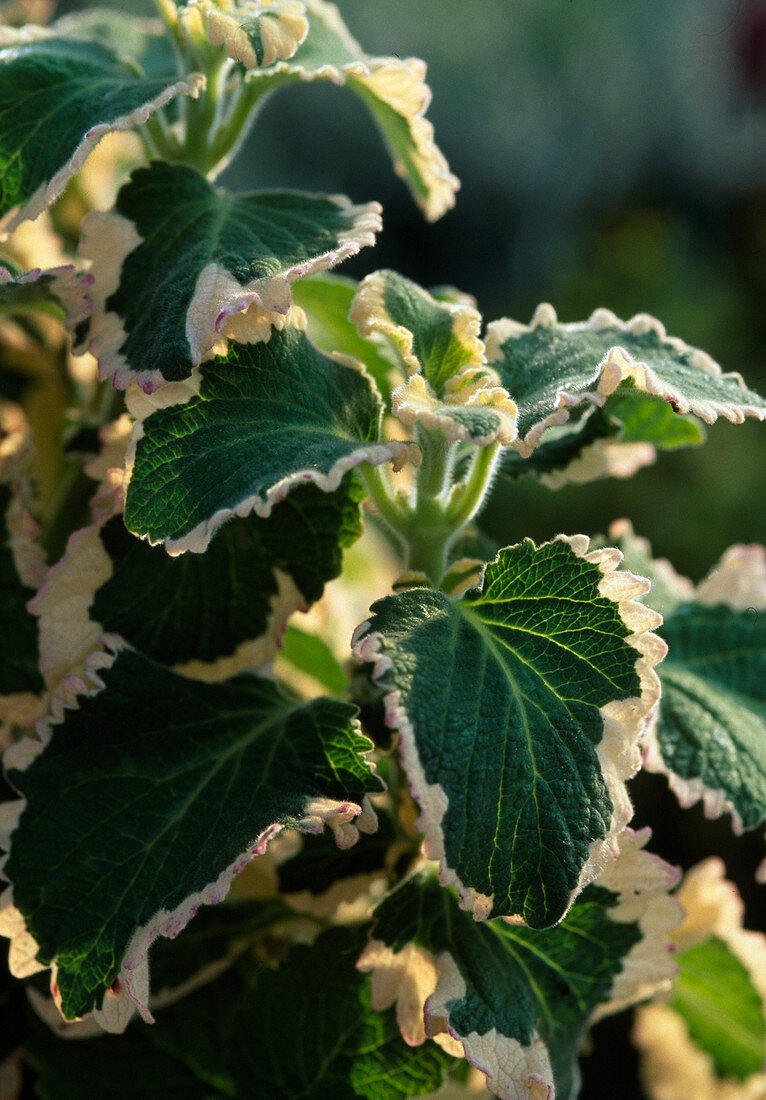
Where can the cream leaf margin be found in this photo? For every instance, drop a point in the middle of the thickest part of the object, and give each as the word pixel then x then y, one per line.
pixel 130 991
pixel 618 751
pixel 48 192
pixel 423 986
pixel 617 366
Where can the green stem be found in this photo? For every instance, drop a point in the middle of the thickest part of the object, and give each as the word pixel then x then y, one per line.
pixel 379 488
pixel 234 127
pixel 467 498
pixel 159 138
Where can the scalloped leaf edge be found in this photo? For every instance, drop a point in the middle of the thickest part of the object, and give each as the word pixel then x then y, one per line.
pixel 142 405
pixel 738 581
pixel 617 366
pixel 108 239
pixel 618 751
pixel 407 94
pixel 47 193
pixel 640 879
pixel 130 990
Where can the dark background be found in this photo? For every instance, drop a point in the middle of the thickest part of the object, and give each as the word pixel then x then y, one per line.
pixel 612 153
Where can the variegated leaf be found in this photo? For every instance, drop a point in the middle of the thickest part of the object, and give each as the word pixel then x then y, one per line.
pixel 517 1000
pixel 394 90
pixel 552 370
pixel 179 266
pixel 198 778
pixel 449 385
pixel 242 433
pixel 519 707
pixel 58 97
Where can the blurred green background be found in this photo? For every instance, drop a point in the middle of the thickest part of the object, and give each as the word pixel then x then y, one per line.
pixel 612 153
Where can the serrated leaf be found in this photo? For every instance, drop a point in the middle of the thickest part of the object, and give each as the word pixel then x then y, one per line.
pixel 177 262
pixel 520 1000
pixel 449 385
pixel 197 778
pixel 519 707
pixel 550 368
pixel 394 90
pixel 711 727
pixel 205 1046
pixel 320 876
pixel 326 301
pixel 211 614
pixel 613 441
pixel 709 737
pixel 715 997
pixel 257 34
pixel 252 426
pixel 434 338
pixel 58 97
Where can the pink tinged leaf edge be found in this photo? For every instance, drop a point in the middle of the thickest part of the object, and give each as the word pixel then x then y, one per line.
pixel 142 405
pixel 48 192
pixel 108 240
pixel 130 990
pixel 617 366
pixel 618 751
pixel 412 977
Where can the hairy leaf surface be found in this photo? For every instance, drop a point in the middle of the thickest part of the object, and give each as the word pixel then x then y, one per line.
pixel 252 425
pixel 394 91
pixel 712 721
pixel 205 1045
pixel 518 708
pixel 437 343
pixel 520 1000
pixel 550 368
pixel 196 777
pixel 710 734
pixel 178 261
pixel 58 97
pixel 202 607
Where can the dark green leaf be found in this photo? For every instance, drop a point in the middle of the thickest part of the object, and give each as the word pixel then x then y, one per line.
pixel 196 777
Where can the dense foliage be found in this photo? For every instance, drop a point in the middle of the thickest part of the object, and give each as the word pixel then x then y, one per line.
pixel 264 684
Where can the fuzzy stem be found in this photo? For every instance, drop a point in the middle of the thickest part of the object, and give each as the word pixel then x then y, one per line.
pixel 467 498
